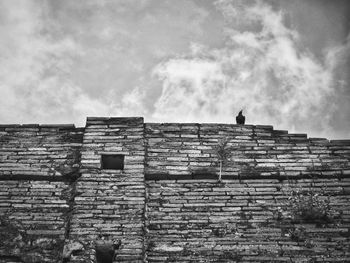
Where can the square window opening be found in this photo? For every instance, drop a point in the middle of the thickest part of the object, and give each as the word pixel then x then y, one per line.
pixel 112 162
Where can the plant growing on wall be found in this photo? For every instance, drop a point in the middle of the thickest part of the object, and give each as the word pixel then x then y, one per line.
pixel 307 205
pixel 310 206
pixel 223 152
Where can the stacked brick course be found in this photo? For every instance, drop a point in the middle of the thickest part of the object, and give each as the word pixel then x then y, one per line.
pixel 110 204
pixel 256 151
pixel 167 204
pixel 195 217
pixel 238 221
pixel 37 165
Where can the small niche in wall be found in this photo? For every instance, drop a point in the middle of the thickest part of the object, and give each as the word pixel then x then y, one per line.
pixel 105 252
pixel 112 161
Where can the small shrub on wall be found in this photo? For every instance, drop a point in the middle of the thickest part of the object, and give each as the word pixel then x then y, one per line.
pixel 308 206
pixel 223 153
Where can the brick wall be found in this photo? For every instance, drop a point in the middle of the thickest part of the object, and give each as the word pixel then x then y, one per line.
pixel 167 205
pixel 192 216
pixel 188 149
pixel 39 151
pixel 207 221
pixel 110 203
pixel 37 165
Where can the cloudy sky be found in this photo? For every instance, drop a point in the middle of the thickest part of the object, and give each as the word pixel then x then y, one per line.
pixel 286 63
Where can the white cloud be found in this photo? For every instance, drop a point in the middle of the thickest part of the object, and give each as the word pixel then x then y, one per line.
pixel 61 61
pixel 262 69
pixel 35 69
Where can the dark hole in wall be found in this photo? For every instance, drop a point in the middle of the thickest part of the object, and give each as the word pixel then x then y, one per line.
pixel 112 162
pixel 105 253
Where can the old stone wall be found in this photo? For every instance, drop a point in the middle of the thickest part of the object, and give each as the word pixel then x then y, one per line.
pixel 246 221
pixel 58 204
pixel 249 216
pixel 109 205
pixel 46 152
pixel 38 164
pixel 255 151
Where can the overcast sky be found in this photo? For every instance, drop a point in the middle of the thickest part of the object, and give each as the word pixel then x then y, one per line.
pixel 286 63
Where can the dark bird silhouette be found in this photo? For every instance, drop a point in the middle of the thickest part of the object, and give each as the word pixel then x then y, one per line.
pixel 240 119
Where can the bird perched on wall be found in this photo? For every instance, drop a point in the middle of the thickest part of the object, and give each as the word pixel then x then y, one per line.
pixel 240 119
